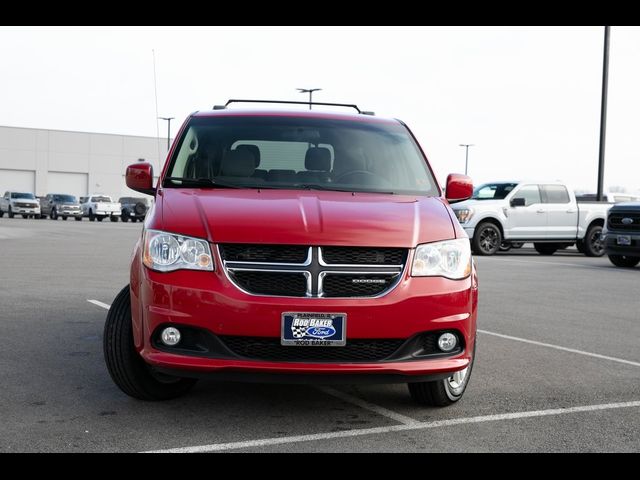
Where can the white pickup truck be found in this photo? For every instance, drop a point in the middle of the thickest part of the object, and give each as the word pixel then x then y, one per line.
pixel 98 206
pixel 546 213
pixel 25 204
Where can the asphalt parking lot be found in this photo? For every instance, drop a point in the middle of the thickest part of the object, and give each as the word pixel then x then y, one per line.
pixel 557 368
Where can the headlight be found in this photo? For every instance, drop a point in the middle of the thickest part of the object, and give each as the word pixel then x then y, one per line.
pixel 166 252
pixel 451 259
pixel 464 214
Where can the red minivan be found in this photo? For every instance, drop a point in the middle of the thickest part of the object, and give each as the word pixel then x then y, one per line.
pixel 296 246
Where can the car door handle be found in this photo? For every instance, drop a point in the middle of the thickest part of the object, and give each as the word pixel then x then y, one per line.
pixel 571 211
pixel 540 211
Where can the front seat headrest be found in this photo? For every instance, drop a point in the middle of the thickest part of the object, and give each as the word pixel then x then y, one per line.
pixel 318 159
pixel 254 150
pixel 238 163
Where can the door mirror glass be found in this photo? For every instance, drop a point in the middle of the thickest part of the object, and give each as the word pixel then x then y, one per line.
pixel 518 202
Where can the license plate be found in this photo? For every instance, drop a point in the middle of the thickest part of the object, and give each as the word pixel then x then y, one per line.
pixel 314 329
pixel 624 240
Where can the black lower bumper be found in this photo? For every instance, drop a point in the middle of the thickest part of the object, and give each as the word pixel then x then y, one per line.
pixel 613 247
pixel 308 378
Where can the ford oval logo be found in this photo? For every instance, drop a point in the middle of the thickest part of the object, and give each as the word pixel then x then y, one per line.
pixel 627 221
pixel 320 332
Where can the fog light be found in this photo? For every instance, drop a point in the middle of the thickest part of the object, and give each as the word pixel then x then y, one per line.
pixel 171 336
pixel 446 342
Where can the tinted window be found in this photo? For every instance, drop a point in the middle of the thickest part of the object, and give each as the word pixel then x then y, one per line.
pixel 493 191
pixel 64 198
pixel 556 194
pixel 101 199
pixel 29 196
pixel 301 153
pixel 530 193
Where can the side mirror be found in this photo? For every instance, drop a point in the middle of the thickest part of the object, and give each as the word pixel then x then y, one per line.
pixel 139 177
pixel 517 202
pixel 459 188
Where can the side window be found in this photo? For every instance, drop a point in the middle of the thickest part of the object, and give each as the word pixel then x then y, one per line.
pixel 530 193
pixel 555 194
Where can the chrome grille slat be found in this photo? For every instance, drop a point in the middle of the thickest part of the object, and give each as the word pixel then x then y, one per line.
pixel 367 280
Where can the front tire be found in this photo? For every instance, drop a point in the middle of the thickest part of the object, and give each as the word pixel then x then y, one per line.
pixel 486 239
pixel 54 214
pixel 92 217
pixel 78 219
pixel 624 261
pixel 127 368
pixel 593 246
pixel 10 213
pixel 442 393
pixel 546 248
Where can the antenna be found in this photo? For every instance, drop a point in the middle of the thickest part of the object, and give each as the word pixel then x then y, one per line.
pixel 155 89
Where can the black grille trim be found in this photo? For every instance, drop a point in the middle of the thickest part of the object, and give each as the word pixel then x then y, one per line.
pixel 262 253
pixel 335 285
pixel 246 266
pixel 363 256
pixel 614 222
pixel 273 283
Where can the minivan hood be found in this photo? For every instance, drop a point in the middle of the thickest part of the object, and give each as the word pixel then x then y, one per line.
pixel 308 217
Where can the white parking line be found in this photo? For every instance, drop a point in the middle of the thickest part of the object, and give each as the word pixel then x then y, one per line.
pixel 558 347
pixel 217 447
pixel 100 304
pixel 577 265
pixel 368 406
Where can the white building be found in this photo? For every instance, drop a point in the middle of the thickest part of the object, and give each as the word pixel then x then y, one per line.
pixel 57 161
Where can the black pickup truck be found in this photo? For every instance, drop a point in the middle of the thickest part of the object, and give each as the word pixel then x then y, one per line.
pixel 622 234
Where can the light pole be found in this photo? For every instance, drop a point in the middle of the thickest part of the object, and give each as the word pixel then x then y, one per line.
pixel 168 119
pixel 310 92
pixel 603 112
pixel 466 155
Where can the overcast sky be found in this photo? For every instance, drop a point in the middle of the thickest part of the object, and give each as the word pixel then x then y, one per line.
pixel 529 98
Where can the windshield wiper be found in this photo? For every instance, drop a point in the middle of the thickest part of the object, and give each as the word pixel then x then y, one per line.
pixel 202 182
pixel 315 186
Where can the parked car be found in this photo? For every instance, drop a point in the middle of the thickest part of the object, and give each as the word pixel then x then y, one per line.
pixel 545 213
pixel 98 207
pixel 133 208
pixel 19 203
pixel 339 259
pixel 60 205
pixel 622 234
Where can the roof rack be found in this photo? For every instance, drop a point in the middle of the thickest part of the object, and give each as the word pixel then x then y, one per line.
pixel 293 102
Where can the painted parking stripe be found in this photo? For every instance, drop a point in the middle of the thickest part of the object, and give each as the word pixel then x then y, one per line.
pixel 369 406
pixel 100 304
pixel 265 442
pixel 562 264
pixel 564 349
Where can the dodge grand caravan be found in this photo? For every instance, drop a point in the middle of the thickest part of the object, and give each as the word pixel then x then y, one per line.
pixel 296 246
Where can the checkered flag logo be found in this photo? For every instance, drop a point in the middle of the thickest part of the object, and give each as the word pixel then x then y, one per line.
pixel 298 331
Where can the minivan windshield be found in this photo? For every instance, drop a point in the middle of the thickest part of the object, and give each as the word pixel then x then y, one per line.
pixel 299 153
pixel 29 196
pixel 493 191
pixel 65 198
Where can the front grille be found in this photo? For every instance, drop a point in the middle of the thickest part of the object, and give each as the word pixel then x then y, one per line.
pixel 350 285
pixel 615 221
pixel 258 282
pixel 263 253
pixel 357 350
pixel 305 271
pixel 25 205
pixel 364 256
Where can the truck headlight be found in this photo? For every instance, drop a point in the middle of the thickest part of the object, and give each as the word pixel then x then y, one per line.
pixel 464 214
pixel 166 252
pixel 450 259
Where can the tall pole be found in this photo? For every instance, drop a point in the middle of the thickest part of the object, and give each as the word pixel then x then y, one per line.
pixel 310 92
pixel 466 155
pixel 168 119
pixel 603 112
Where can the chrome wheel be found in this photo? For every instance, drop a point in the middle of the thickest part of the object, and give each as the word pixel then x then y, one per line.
pixel 457 381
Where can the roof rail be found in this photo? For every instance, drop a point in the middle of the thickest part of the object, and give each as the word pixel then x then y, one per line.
pixel 292 102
